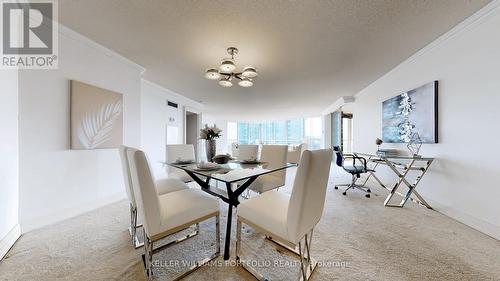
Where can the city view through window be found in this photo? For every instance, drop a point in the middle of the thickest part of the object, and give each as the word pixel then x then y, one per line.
pixel 289 132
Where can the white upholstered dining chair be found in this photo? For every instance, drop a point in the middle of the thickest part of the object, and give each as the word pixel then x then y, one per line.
pixel 295 152
pixel 234 150
pixel 248 151
pixel 169 213
pixel 163 186
pixel 289 220
pixel 183 152
pixel 275 156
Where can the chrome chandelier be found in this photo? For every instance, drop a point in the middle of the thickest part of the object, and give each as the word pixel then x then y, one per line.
pixel 227 72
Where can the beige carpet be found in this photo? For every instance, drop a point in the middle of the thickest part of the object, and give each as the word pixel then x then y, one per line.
pixel 357 239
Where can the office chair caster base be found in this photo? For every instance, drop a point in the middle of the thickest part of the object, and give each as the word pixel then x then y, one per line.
pixel 344 193
pixel 367 195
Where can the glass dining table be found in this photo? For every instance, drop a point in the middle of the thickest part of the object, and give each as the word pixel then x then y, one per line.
pixel 237 177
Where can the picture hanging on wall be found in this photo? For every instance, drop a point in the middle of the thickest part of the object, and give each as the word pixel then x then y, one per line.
pixel 96 117
pixel 411 113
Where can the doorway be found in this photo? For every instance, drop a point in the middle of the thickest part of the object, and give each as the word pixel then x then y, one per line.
pixel 342 130
pixel 192 127
pixel 346 132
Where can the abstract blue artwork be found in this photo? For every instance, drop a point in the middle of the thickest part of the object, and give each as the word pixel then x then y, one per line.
pixel 411 113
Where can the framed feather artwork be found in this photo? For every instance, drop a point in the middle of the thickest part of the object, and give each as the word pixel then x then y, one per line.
pixel 96 117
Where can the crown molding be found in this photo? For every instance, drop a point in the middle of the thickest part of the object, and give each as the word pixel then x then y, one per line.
pixel 73 35
pixel 174 95
pixel 338 104
pixel 466 25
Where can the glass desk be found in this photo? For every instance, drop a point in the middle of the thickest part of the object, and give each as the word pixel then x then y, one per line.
pixel 401 166
pixel 231 174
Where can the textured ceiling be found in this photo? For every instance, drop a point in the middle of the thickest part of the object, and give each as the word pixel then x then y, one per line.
pixel 307 53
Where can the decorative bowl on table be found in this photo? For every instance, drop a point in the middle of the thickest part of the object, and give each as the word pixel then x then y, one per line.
pixel 207 166
pixel 183 161
pixel 221 158
pixel 251 160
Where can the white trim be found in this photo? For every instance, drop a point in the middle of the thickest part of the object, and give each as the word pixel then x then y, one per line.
pixel 9 240
pixel 465 26
pixel 338 104
pixel 73 35
pixel 61 215
pixel 462 27
pixel 177 98
pixel 471 22
pixel 199 123
pixel 192 109
pixel 476 223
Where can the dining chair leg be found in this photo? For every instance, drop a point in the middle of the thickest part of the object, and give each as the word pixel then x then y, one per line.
pixel 303 253
pixel 227 241
pixel 135 240
pixel 217 235
pixel 148 255
pixel 307 242
pixel 238 239
pixel 307 263
pixel 302 269
pixel 247 194
pixel 239 261
pixel 133 228
pixel 149 250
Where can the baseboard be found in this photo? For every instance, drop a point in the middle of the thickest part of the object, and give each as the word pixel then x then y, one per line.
pixel 468 220
pixel 60 215
pixel 8 241
pixel 481 225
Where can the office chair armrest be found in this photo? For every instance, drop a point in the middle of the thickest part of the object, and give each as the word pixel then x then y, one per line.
pixel 354 157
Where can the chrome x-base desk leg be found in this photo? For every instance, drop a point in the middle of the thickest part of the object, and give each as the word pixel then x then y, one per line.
pixel 411 187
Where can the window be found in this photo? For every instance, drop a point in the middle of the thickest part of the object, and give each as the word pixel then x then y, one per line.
pixel 232 132
pixel 288 132
pixel 243 133
pixel 313 132
pixel 295 131
pixel 347 133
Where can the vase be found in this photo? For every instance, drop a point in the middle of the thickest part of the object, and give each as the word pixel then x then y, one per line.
pixel 210 147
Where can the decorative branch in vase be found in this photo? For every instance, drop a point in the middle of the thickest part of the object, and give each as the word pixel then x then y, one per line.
pixel 210 135
pixel 378 142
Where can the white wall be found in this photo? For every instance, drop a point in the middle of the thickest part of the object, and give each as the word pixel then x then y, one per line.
pixel 222 144
pixel 327 130
pixel 156 115
pixel 463 182
pixel 9 151
pixel 193 125
pixel 56 182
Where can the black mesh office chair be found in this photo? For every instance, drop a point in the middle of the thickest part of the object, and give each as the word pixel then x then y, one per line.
pixel 353 168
